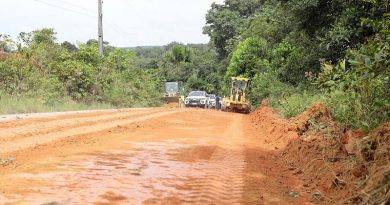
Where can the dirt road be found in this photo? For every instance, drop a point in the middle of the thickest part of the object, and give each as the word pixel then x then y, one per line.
pixel 145 156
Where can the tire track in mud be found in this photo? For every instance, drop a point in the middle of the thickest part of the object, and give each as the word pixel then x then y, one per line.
pixel 31 141
pixel 40 128
pixel 222 181
pixel 15 123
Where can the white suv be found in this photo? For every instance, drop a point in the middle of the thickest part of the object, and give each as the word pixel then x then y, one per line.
pixel 196 99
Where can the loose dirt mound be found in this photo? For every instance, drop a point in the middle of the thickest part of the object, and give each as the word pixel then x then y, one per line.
pixel 336 164
pixel 269 120
pixel 374 157
pixel 317 117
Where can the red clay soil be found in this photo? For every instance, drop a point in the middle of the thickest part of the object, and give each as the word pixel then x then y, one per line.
pixel 318 151
pixel 193 156
pixel 268 178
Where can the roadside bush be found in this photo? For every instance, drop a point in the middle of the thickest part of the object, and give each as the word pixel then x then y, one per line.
pixel 44 76
pixel 48 90
pixel 358 89
pixel 297 103
pixel 267 86
pixel 353 109
pixel 133 88
pixel 77 78
pixel 15 75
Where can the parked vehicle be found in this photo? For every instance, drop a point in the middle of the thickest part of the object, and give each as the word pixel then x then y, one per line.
pixel 196 99
pixel 211 101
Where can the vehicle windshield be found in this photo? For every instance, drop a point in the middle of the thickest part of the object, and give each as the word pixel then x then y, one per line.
pixel 197 94
pixel 172 86
pixel 240 84
pixel 212 97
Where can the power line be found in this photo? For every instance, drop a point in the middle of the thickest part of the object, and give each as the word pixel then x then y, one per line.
pixel 78 6
pixel 87 12
pixel 63 8
pixel 107 19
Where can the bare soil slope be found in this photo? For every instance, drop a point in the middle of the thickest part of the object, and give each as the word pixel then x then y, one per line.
pixel 336 165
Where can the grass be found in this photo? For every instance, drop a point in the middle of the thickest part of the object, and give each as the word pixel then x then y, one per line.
pixel 297 103
pixel 16 105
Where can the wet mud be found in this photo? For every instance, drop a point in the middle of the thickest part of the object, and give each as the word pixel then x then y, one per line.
pixel 146 173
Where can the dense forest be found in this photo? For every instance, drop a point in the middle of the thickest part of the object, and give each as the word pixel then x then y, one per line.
pixel 296 52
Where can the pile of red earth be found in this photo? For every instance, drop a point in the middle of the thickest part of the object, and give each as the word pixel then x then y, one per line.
pixel 336 164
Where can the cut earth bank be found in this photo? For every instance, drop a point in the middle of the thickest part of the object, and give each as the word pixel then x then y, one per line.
pixel 337 165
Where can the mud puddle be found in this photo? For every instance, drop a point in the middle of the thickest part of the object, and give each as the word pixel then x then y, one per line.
pixel 148 173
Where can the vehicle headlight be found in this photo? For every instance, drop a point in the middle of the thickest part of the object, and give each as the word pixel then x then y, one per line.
pixel 203 101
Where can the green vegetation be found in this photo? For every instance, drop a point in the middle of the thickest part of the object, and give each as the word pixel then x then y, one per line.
pixel 196 65
pixel 43 75
pixel 298 52
pixel 38 74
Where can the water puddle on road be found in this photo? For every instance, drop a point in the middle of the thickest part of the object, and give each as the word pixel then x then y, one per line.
pixel 148 173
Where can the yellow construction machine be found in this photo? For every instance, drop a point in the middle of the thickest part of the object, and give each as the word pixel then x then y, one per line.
pixel 173 93
pixel 238 92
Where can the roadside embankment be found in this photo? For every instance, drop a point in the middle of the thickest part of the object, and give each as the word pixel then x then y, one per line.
pixel 337 165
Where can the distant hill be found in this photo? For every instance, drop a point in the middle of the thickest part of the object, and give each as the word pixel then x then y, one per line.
pixel 150 56
pixel 156 52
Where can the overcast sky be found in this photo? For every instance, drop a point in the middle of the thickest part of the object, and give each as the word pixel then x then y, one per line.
pixel 126 22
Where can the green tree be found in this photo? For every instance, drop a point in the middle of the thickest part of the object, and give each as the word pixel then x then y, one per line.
pixel 121 59
pixel 250 57
pixel 69 46
pixel 6 43
pixel 224 23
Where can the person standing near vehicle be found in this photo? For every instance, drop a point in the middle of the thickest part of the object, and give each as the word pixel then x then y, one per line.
pixel 217 103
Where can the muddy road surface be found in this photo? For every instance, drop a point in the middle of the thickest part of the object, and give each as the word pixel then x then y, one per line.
pixel 142 156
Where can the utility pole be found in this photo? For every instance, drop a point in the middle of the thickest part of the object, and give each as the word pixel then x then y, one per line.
pixel 100 23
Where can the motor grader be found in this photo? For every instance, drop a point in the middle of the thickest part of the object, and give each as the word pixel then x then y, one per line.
pixel 237 100
pixel 173 93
